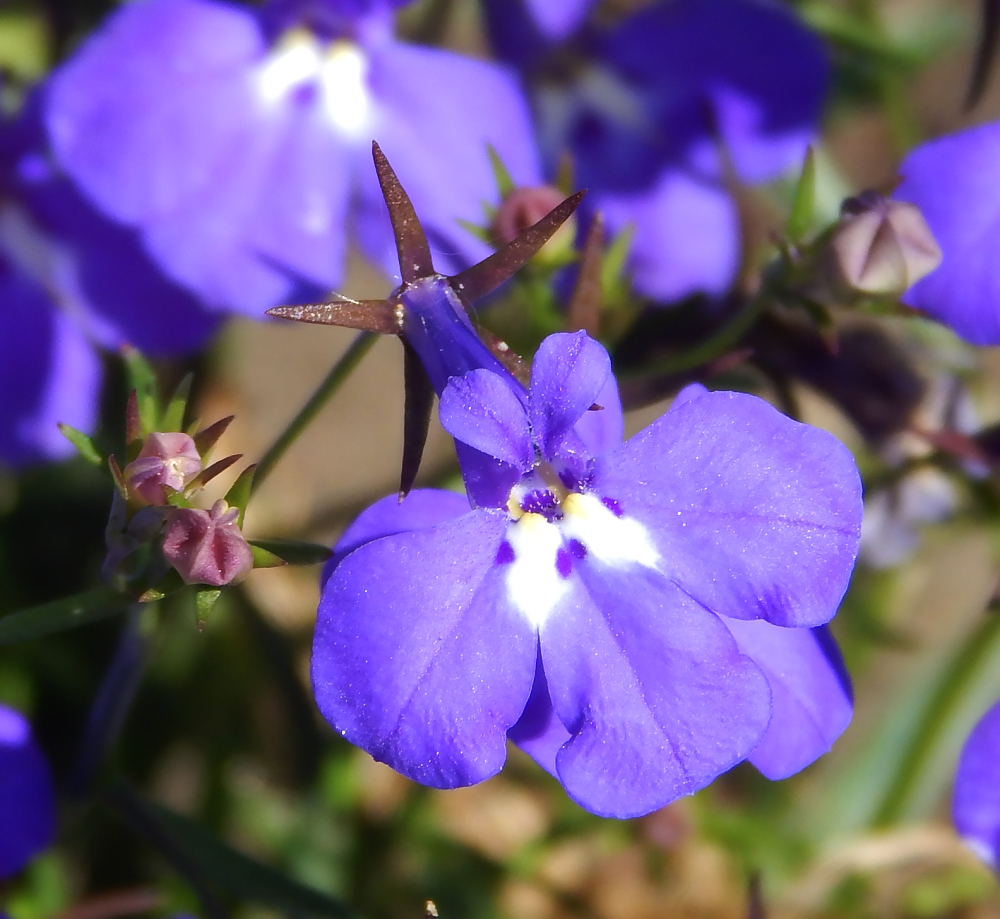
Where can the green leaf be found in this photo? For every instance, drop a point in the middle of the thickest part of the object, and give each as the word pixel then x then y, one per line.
pixel 800 218
pixel 190 846
pixel 82 442
pixel 205 599
pixel 60 615
pixel 264 559
pixel 294 552
pixel 501 175
pixel 173 415
pixel 142 379
pixel 239 493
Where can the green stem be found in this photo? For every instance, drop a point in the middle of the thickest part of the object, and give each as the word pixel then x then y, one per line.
pixel 960 675
pixel 717 344
pixel 59 615
pixel 340 371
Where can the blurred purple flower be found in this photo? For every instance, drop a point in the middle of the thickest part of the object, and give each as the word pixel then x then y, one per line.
pixel 976 805
pixel 637 617
pixel 26 798
pixel 953 182
pixel 237 142
pixel 70 279
pixel 652 110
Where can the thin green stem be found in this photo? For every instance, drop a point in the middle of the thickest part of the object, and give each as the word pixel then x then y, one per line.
pixel 340 371
pixel 717 344
pixel 59 615
pixel 956 680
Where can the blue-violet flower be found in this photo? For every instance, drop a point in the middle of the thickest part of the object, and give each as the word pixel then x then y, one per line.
pixel 976 805
pixel 638 617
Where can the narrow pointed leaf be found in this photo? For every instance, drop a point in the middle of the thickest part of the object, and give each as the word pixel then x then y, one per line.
pixel 204 602
pixel 416 417
pixel 135 432
pixel 206 475
pixel 986 51
pixel 189 846
pixel 584 310
pixel 262 558
pixel 239 492
pixel 294 552
pixel 803 201
pixel 411 241
pixel 60 615
pixel 173 415
pixel 142 379
pixel 501 175
pixel 84 445
pixel 208 437
pixel 116 474
pixel 380 316
pixel 491 272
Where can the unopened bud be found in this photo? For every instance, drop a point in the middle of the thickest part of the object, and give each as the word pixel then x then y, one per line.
pixel 166 461
pixel 207 547
pixel 883 246
pixel 523 208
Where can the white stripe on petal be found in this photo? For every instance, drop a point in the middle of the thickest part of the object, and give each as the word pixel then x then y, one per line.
pixel 613 540
pixel 533 583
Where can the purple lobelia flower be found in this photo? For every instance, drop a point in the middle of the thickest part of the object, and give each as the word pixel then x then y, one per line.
pixel 656 110
pixel 71 280
pixel 976 805
pixel 236 141
pixel 26 798
pixel 638 617
pixel 953 182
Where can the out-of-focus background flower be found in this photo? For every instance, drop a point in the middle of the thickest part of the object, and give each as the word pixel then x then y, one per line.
pixel 171 168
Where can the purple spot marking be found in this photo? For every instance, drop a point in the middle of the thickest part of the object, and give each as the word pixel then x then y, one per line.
pixel 564 564
pixel 612 505
pixel 577 549
pixel 541 502
pixel 505 554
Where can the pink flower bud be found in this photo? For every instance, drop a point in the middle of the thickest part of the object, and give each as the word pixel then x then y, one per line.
pixel 524 207
pixel 207 547
pixel 166 461
pixel 882 246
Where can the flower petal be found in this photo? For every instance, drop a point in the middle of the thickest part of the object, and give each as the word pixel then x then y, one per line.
pixel 421 508
pixel 652 687
pixel 26 798
pixel 567 375
pixel 685 234
pixel 976 805
pixel 419 658
pixel 951 180
pixel 810 693
pixel 538 731
pixel 753 514
pixel 481 410
pixel 48 373
pixel 602 431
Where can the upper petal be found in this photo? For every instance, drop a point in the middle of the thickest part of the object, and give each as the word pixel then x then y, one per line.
pixel 26 798
pixel 810 695
pixel 418 656
pixel 652 687
pixel 567 375
pixel 480 409
pixel 753 514
pixel 976 805
pixel 952 181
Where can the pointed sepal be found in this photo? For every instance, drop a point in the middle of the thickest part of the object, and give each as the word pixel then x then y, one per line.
pixel 584 309
pixel 381 316
pixel 83 443
pixel 411 241
pixel 419 406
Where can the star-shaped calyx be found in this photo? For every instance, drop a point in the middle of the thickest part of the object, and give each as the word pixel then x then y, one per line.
pixel 406 311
